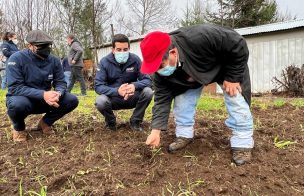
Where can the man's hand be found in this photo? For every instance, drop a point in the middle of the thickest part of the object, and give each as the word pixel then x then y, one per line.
pixel 153 139
pixel 51 98
pixel 130 89
pixel 122 90
pixel 232 88
pixel 73 62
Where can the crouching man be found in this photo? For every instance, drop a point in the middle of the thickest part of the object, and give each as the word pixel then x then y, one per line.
pixel 120 84
pixel 184 62
pixel 31 74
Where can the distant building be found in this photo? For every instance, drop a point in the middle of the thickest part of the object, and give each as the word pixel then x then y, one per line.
pixel 272 47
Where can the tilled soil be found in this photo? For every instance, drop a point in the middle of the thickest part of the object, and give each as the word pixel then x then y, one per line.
pixel 85 159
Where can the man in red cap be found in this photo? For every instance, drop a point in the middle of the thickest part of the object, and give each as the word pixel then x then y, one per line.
pixel 184 62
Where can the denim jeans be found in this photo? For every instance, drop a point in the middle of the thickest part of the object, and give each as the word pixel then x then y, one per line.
pixel 3 81
pixel 67 77
pixel 140 101
pixel 239 121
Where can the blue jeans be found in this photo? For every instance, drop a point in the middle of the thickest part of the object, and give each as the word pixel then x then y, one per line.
pixel 239 121
pixel 3 81
pixel 67 77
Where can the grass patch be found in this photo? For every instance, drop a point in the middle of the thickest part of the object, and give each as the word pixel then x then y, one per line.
pixel 279 102
pixel 208 103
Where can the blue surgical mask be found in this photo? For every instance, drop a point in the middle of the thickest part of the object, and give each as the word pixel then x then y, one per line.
pixel 167 70
pixel 121 57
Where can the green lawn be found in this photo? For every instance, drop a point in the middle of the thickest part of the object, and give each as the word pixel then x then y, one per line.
pixel 206 103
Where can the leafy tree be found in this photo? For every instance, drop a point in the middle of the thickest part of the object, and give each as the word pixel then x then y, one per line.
pixel 244 13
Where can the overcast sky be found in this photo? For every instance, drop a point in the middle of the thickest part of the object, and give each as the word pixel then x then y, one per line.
pixel 294 7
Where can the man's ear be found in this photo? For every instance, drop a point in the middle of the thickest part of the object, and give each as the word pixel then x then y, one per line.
pixel 173 51
pixel 113 49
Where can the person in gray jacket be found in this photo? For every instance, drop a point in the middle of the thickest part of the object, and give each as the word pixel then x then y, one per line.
pixel 76 62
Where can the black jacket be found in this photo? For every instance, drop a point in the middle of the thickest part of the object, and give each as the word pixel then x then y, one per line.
pixel 207 53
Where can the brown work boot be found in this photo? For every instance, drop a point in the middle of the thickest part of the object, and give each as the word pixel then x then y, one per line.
pixel 46 129
pixel 179 143
pixel 240 156
pixel 19 136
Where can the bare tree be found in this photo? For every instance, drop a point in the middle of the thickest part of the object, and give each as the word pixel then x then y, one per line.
pixel 195 13
pixel 22 16
pixel 145 15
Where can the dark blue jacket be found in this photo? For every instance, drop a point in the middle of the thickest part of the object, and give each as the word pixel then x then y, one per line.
pixel 111 75
pixel 65 64
pixel 29 76
pixel 8 48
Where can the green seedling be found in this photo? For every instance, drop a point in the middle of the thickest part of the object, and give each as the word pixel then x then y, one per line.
pixel 20 188
pixel 120 185
pixel 108 158
pixel 43 189
pixel 90 147
pixel 3 180
pixel 51 150
pixel 21 161
pixel 168 188
pixel 43 192
pixel 283 143
pixel 190 156
pixel 156 151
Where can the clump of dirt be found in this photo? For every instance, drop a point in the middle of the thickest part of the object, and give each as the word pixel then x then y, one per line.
pixel 84 159
pixel 145 152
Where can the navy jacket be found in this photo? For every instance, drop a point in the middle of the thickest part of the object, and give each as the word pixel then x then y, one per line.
pixel 8 48
pixel 29 76
pixel 111 75
pixel 65 64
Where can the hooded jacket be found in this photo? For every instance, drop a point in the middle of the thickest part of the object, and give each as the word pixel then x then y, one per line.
pixel 29 76
pixel 207 53
pixel 111 75
pixel 75 53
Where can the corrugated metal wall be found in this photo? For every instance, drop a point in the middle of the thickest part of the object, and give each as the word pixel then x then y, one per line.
pixel 269 54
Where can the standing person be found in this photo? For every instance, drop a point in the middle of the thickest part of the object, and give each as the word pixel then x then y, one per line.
pixel 184 62
pixel 120 85
pixel 31 74
pixel 8 47
pixel 67 70
pixel 76 62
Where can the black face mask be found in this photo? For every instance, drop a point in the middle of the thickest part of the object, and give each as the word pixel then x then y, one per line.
pixel 43 51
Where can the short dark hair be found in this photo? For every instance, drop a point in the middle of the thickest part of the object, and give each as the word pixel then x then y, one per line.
pixel 71 36
pixel 8 35
pixel 120 38
pixel 166 55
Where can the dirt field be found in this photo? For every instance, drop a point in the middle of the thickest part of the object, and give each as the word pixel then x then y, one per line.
pixel 84 159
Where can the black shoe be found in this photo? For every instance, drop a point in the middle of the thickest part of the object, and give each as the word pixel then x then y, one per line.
pixel 136 126
pixel 241 156
pixel 111 127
